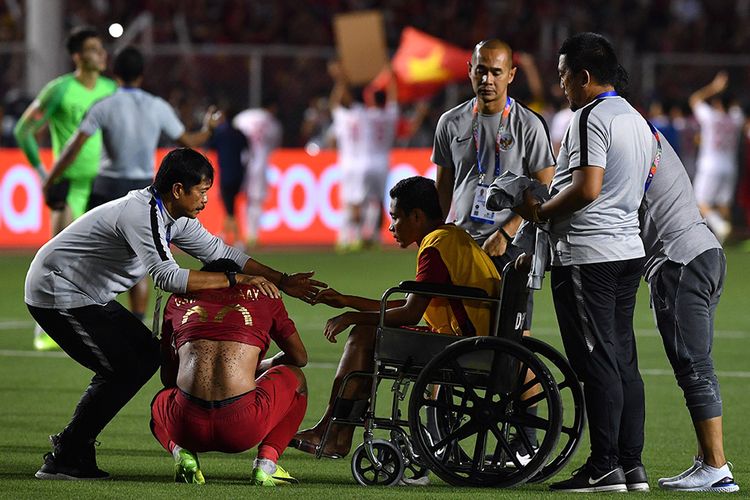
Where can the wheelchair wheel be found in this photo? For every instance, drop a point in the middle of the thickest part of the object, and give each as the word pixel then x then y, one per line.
pixel 487 386
pixel 573 403
pixel 391 467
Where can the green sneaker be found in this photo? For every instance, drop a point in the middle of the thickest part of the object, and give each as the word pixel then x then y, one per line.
pixel 43 342
pixel 187 470
pixel 259 477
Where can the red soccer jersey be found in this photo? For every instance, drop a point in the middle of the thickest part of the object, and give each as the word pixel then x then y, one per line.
pixel 239 314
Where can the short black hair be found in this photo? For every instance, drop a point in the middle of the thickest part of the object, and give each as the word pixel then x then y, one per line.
pixel 128 65
pixel 417 192
pixel 77 36
pixel 184 165
pixel 592 52
pixel 221 266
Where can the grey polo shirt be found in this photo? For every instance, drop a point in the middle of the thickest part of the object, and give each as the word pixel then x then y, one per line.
pixel 112 247
pixel 672 227
pixel 607 133
pixel 131 121
pixel 454 149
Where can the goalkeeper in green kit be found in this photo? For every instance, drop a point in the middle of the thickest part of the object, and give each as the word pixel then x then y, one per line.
pixel 62 104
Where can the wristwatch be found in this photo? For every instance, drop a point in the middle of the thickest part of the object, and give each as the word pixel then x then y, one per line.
pixel 232 277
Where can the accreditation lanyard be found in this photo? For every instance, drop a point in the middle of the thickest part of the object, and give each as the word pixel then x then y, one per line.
pixel 657 157
pixel 499 138
pixel 156 324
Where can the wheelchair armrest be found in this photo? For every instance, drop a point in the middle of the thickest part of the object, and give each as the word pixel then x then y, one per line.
pixel 442 289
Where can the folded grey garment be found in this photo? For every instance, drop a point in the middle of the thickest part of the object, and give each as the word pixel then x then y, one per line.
pixel 507 191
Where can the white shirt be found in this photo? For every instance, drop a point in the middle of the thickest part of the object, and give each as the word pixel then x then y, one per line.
pixel 263 132
pixel 720 134
pixel 379 134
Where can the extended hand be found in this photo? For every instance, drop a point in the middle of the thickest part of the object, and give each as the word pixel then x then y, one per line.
pixel 212 118
pixel 720 82
pixel 336 325
pixel 300 285
pixel 330 297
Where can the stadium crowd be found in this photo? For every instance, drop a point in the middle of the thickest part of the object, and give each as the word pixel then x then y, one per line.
pixel 636 28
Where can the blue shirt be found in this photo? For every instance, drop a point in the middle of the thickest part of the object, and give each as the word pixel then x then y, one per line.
pixel 229 144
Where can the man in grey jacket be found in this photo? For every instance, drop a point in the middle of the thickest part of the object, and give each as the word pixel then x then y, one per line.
pixel 74 279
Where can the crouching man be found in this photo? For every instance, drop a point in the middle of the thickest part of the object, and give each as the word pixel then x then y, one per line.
pixel 220 393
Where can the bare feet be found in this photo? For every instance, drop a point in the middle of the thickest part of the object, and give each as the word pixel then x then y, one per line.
pixel 308 441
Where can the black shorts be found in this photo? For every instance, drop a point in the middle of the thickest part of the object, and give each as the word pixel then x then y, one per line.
pixel 57 195
pixel 229 193
pixel 106 189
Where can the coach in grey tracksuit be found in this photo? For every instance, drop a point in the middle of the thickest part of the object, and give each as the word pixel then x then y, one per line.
pixel 597 257
pixel 75 278
pixel 685 270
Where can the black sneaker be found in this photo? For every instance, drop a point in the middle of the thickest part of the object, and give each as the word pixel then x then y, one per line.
pixel 66 462
pixel 636 478
pixel 55 468
pixel 585 479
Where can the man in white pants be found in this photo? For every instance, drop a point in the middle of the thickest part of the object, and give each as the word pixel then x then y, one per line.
pixel 263 132
pixel 716 175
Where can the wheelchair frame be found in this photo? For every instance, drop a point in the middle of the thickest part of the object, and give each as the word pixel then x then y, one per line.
pixel 411 357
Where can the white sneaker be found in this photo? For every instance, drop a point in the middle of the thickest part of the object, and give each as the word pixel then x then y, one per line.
pixel 705 478
pixel 697 462
pixel 417 481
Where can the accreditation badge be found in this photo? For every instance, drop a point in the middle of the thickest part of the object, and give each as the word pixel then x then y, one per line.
pixel 479 212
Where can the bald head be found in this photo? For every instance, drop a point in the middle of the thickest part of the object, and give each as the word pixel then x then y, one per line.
pixel 490 71
pixel 492 44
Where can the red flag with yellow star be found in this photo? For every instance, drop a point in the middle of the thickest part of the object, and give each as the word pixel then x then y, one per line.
pixel 422 66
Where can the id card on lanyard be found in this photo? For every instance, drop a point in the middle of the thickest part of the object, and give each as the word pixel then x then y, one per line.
pixel 503 142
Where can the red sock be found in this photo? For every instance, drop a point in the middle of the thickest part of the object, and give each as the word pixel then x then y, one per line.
pixel 278 439
pixel 268 452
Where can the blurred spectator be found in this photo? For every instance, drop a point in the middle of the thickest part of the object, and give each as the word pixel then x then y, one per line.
pixel 715 180
pixel 263 132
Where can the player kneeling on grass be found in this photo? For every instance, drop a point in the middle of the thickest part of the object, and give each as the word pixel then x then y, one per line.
pixel 213 344
pixel 447 255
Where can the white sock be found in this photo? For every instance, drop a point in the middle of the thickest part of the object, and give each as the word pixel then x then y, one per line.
pixel 266 465
pixel 176 453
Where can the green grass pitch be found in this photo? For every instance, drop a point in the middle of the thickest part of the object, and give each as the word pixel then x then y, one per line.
pixel 39 392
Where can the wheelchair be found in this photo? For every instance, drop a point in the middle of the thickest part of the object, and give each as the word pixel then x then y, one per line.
pixel 468 398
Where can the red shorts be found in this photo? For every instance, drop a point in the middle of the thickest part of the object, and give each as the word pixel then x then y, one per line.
pixel 236 427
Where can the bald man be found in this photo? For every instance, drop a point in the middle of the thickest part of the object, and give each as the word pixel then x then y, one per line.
pixel 477 141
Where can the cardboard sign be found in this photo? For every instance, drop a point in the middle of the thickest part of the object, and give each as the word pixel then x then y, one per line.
pixel 360 40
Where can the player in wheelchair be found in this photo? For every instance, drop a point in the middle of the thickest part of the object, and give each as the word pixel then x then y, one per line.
pixel 447 255
pixel 471 392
